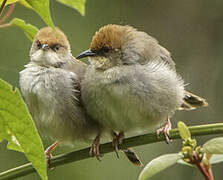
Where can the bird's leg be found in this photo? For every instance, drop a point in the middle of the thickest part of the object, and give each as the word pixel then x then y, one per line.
pixel 95 151
pixel 48 152
pixel 117 140
pixel 165 129
pixel 130 154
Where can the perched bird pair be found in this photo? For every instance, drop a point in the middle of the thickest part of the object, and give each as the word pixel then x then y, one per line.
pixel 131 84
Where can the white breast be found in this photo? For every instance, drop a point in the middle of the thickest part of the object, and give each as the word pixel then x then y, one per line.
pixel 53 101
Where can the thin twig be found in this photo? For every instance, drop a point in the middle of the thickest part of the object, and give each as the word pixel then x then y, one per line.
pixel 107 147
pixel 2 6
pixel 8 13
pixel 204 171
pixel 5 25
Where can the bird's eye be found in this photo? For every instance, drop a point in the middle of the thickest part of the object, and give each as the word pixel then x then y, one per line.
pixel 39 45
pixel 106 50
pixel 56 47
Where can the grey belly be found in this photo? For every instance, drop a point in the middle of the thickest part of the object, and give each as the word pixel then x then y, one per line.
pixel 123 111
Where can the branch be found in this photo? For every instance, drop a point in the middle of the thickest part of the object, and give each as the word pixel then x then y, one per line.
pixel 107 147
pixel 2 6
pixel 5 25
pixel 8 13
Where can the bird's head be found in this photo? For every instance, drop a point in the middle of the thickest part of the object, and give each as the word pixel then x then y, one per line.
pixel 115 45
pixel 50 48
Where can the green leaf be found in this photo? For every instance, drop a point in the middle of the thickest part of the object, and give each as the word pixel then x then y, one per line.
pixel 24 3
pixel 17 127
pixel 183 130
pixel 29 29
pixel 42 7
pixel 15 145
pixel 79 5
pixel 159 164
pixel 181 161
pixel 214 146
pixel 8 2
pixel 216 158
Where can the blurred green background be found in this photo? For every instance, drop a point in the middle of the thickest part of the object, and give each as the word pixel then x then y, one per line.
pixel 191 30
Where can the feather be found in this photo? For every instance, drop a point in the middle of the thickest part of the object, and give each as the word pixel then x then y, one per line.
pixel 192 101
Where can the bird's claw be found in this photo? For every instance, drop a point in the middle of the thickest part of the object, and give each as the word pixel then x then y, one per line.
pixel 117 140
pixel 95 149
pixel 48 154
pixel 48 157
pixel 165 130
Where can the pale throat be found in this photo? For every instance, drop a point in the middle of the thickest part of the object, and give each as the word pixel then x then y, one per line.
pixel 100 63
pixel 49 59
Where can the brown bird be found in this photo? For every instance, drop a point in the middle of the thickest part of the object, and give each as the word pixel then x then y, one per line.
pixel 131 83
pixel 50 84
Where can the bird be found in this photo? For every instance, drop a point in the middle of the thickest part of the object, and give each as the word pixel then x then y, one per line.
pixel 131 83
pixel 50 85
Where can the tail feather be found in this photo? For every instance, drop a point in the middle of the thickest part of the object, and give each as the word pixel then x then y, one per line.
pixel 192 101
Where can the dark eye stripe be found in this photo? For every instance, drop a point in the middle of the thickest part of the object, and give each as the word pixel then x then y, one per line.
pixel 105 49
pixel 39 45
pixel 102 51
pixel 56 47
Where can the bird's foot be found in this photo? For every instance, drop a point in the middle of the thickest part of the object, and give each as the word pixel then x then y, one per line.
pixel 95 148
pixel 117 140
pixel 48 154
pixel 165 129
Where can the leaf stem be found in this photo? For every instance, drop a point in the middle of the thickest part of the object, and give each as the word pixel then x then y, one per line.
pixel 205 171
pixel 107 147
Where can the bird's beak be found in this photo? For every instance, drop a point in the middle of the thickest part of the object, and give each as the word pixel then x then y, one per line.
pixel 86 53
pixel 45 47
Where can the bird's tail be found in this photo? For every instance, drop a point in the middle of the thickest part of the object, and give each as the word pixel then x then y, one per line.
pixel 192 101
